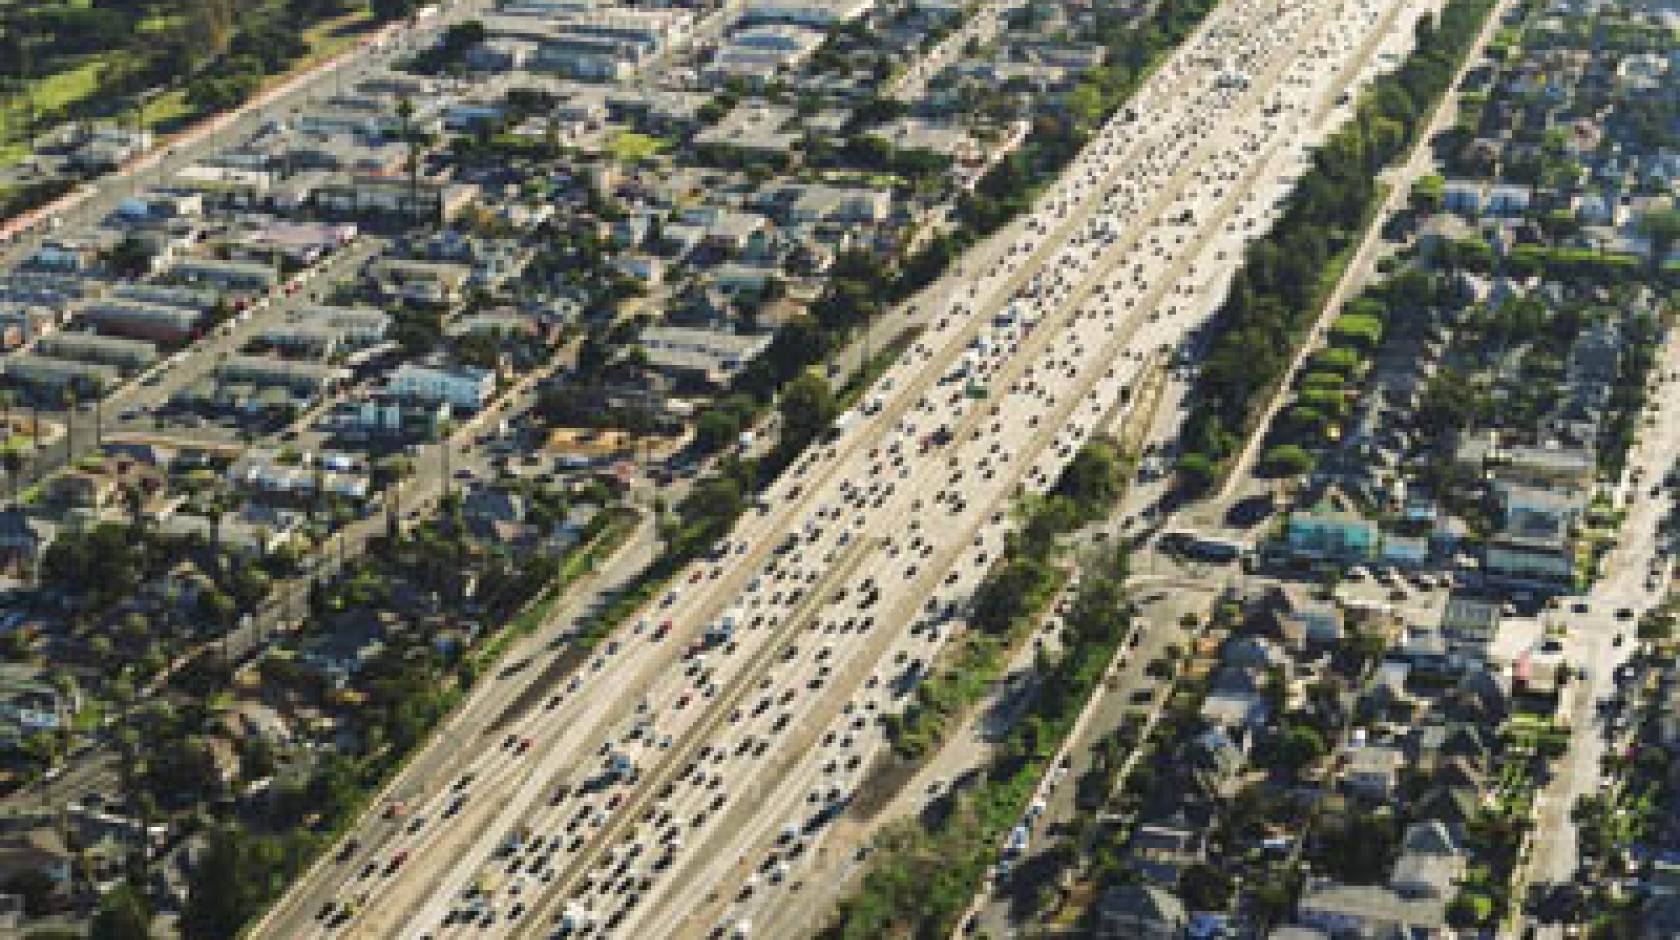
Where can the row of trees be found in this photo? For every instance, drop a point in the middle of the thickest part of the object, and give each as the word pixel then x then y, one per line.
pixel 925 873
pixel 1007 601
pixel 1279 290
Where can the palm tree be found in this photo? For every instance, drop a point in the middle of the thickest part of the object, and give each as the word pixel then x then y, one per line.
pixel 405 120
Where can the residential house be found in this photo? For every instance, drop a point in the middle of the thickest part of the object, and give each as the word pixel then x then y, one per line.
pixel 39 850
pixel 1373 770
pixel 1161 851
pixel 701 356
pixel 1141 912
pixel 1302 619
pixel 239 277
pixel 22 540
pixel 31 703
pixel 1331 535
pixel 464 387
pixel 1464 197
pixel 1369 912
pixel 1431 863
pixel 1469 625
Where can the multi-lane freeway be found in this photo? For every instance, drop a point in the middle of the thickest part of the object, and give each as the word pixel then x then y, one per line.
pixel 679 782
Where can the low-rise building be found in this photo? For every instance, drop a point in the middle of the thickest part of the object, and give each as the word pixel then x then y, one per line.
pixel 700 356
pixel 31 703
pixel 1141 912
pixel 463 387
pixel 241 277
pixel 144 320
pixel 126 354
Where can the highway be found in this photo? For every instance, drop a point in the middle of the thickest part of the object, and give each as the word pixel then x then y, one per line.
pixel 670 790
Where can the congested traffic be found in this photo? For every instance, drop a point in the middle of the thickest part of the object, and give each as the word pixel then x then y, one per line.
pixel 677 783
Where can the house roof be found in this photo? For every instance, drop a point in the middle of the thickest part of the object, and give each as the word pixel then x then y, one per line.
pixel 1429 838
pixel 1143 902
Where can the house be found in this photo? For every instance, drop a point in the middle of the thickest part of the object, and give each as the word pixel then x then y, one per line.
pixel 1331 535
pixel 38 850
pixel 1463 197
pixel 1302 619
pixel 493 505
pixel 761 52
pixel 1216 757
pixel 31 703
pixel 1563 468
pixel 1546 560
pixel 53 377
pixel 465 387
pixel 79 489
pixel 239 277
pixel 359 195
pixel 1369 912
pixel 125 354
pixel 1431 862
pixel 1531 510
pixel 22 539
pixel 1469 625
pixel 300 377
pixel 1141 912
pixel 427 282
pixel 1373 770
pixel 821 15
pixel 1483 695
pixel 144 320
pixel 701 356
pixel 1235 708
pixel 1161 851
pixel 1509 200
pixel 339 656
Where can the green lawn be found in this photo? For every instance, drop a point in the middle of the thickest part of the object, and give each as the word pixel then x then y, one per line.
pixel 630 147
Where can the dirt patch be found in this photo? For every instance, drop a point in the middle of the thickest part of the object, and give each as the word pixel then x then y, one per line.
pixel 885 779
pixel 556 672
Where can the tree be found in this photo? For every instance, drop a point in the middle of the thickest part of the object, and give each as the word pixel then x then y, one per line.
pixel 224 888
pixel 393 9
pixel 1195 471
pixel 807 408
pixel 1092 478
pixel 1006 594
pixel 1204 888
pixel 216 607
pixel 411 137
pixel 1301 745
pixel 715 429
pixel 123 915
pixel 1287 460
pixel 1662 227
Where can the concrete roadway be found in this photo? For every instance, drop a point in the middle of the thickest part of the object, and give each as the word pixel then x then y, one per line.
pixel 431 868
pixel 756 809
pixel 799 915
